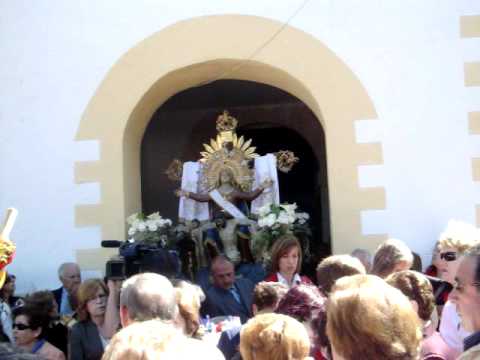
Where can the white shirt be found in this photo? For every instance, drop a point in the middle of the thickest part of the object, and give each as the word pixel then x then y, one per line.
pixel 297 280
pixel 450 327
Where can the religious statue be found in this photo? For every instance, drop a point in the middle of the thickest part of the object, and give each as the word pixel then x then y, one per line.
pixel 227 194
pixel 217 190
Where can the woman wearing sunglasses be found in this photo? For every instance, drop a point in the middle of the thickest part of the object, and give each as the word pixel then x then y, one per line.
pixel 454 241
pixel 28 332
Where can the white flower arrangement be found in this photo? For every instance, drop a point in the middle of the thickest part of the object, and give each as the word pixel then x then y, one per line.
pixel 147 228
pixel 272 216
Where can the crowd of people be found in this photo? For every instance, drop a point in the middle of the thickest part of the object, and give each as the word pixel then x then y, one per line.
pixel 358 307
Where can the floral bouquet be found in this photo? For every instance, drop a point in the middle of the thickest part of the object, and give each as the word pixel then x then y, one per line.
pixel 151 229
pixel 275 221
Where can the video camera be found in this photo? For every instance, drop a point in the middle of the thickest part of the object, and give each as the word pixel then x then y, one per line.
pixel 134 258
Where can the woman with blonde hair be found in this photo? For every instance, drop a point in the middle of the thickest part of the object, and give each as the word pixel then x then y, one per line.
pixel 457 239
pixel 189 298
pixel 391 256
pixel 369 319
pixel 287 262
pixel 99 319
pixel 274 337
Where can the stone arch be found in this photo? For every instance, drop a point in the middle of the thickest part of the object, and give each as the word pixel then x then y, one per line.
pixel 193 52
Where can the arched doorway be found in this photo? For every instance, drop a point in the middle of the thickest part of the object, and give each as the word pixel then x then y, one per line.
pixel 274 119
pixel 159 67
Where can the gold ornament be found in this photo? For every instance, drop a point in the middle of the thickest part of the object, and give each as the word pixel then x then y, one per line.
pixel 285 160
pixel 226 125
pixel 175 170
pixel 227 152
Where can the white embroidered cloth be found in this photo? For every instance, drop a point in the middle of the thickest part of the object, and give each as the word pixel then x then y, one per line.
pixel 266 168
pixel 190 209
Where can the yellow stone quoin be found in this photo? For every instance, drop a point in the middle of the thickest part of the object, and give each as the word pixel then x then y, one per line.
pixel 470 31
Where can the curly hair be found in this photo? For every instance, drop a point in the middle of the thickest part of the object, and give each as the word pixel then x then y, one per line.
pixel 306 304
pixel 267 294
pixel 458 235
pixel 417 287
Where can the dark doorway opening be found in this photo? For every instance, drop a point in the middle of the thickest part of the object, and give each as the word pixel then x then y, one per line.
pixel 271 117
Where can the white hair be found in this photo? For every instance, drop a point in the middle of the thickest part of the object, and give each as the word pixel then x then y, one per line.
pixel 149 296
pixel 459 235
pixel 64 266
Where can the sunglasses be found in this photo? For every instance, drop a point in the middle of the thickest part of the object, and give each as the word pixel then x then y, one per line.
pixel 448 256
pixel 21 326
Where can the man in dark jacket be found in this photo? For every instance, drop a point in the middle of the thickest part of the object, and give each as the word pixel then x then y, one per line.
pixel 228 296
pixel 66 296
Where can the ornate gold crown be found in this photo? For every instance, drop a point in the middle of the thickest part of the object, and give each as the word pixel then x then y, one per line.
pixel 226 122
pixel 226 125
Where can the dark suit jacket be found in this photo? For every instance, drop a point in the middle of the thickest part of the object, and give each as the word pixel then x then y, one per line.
pixel 57 294
pixel 220 302
pixel 229 342
pixel 85 343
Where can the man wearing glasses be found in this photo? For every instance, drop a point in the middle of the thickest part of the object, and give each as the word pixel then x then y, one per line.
pixel 466 296
pixel 66 295
pixel 458 238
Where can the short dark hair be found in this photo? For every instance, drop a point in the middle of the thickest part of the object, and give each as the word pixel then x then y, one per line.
pixel 335 267
pixel 42 301
pixel 36 319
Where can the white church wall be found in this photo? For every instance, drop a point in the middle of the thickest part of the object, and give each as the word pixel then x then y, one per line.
pixel 408 55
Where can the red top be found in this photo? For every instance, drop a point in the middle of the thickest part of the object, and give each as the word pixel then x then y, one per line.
pixel 432 271
pixel 303 279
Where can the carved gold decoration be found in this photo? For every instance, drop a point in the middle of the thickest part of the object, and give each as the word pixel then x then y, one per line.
pixel 226 125
pixel 227 151
pixel 174 170
pixel 285 160
pixel 226 122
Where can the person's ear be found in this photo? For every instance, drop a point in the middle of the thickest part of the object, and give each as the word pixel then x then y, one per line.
pixel 124 317
pixel 37 332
